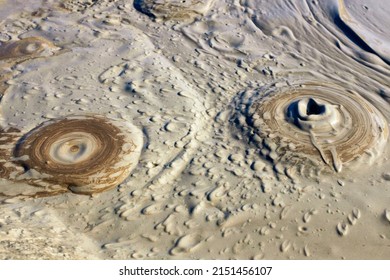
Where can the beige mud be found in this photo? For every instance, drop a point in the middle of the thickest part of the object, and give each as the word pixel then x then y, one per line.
pixel 262 127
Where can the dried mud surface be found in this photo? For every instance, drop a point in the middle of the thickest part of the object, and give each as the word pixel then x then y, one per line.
pixel 194 129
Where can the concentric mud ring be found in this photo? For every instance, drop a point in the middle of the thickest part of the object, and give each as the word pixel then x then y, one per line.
pixel 85 154
pixel 322 124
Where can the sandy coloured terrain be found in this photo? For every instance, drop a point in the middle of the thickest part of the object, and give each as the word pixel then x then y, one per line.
pixel 235 129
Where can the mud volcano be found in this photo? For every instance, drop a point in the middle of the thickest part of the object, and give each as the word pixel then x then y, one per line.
pixel 172 9
pixel 318 125
pixel 85 154
pixel 24 48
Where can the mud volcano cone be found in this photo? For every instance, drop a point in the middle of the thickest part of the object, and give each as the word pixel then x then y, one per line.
pixel 85 154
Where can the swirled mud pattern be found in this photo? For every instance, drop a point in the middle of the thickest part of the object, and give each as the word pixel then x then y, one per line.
pixel 314 124
pixel 83 154
pixel 172 9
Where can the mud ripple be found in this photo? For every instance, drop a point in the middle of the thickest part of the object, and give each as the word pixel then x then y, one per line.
pixel 318 125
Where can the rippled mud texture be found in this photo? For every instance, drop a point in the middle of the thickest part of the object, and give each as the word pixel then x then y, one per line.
pixel 84 154
pixel 173 9
pixel 315 125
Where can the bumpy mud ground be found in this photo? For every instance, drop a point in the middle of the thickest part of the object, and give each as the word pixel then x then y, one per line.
pixel 194 129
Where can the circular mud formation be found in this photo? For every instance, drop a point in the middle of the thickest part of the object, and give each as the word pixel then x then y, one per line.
pixel 85 154
pixel 24 48
pixel 320 126
pixel 172 9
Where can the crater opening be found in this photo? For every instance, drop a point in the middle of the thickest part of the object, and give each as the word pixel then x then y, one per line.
pixel 313 108
pixel 74 149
